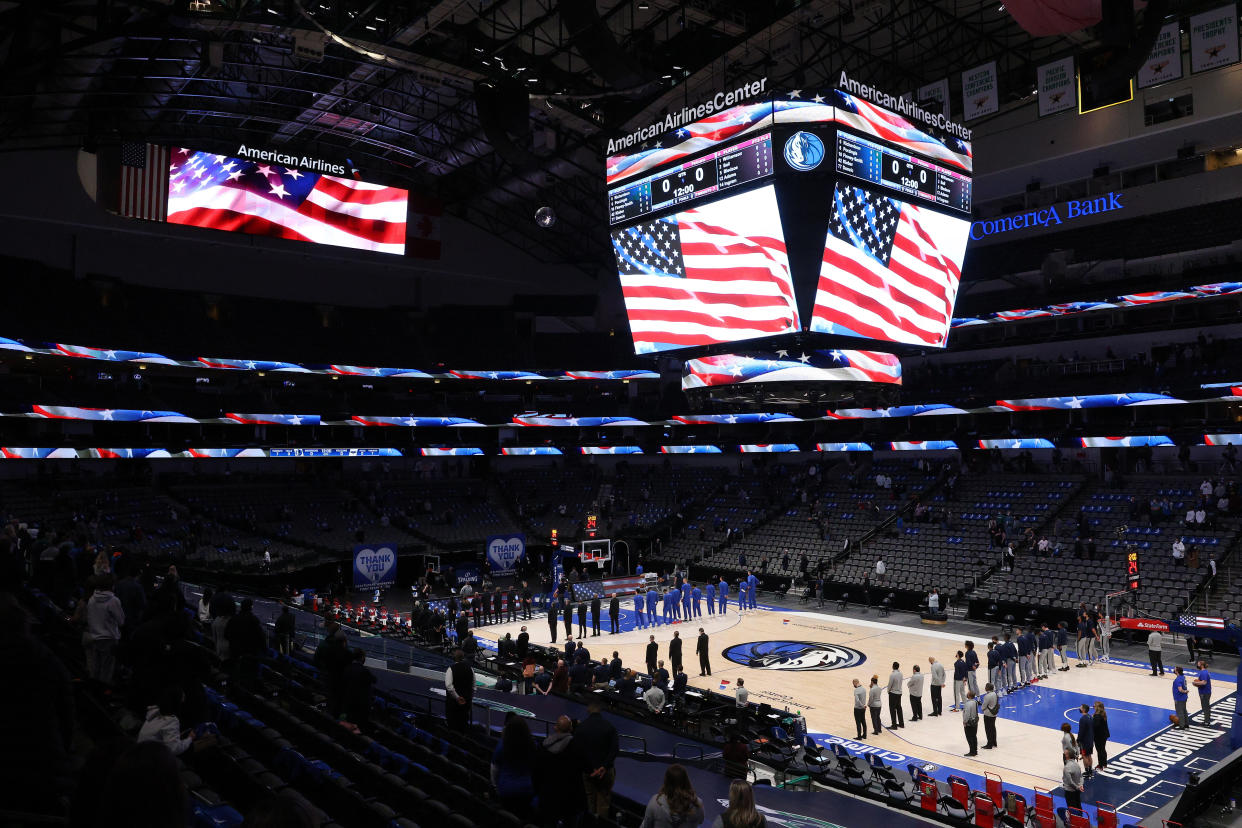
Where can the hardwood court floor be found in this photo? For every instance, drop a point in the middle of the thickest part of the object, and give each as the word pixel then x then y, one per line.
pixel 1028 730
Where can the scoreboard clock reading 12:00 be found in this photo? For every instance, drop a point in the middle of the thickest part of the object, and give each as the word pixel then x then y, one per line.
pixel 741 163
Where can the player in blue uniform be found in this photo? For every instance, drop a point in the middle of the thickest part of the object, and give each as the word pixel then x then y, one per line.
pixel 641 623
pixel 722 590
pixel 711 598
pixel 696 595
pixel 752 588
pixel 653 600
pixel 685 600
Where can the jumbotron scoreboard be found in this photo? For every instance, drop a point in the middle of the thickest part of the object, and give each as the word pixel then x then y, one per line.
pixel 807 213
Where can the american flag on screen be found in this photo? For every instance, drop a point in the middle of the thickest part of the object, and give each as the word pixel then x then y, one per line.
pixel 716 273
pixel 890 269
pixel 1201 621
pixel 785 366
pixel 144 181
pixel 266 199
pixel 895 129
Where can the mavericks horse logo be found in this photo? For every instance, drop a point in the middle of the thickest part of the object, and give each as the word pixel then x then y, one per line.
pixel 804 151
pixel 794 655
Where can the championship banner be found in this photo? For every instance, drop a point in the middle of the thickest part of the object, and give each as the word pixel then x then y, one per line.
pixel 1164 64
pixel 375 566
pixel 979 93
pixel 1057 88
pixel 504 552
pixel 1214 39
pixel 935 96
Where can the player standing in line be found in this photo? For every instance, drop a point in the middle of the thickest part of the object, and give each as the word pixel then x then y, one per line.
pixel 696 595
pixel 722 591
pixel 641 623
pixel 711 597
pixel 1062 644
pixel 686 592
pixel 993 664
pixel 972 665
pixel 653 601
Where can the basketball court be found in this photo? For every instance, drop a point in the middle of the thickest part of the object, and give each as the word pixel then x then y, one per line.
pixel 822 652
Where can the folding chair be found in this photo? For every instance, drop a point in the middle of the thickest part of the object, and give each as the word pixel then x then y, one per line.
pixel 879 771
pixel 1045 812
pixel 985 810
pixel 929 794
pixel 1105 815
pixel 1078 818
pixel 995 787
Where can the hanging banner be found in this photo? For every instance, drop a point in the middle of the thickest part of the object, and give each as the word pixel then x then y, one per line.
pixel 375 566
pixel 1058 90
pixel 1214 39
pixel 979 93
pixel 504 552
pixel 935 96
pixel 1164 64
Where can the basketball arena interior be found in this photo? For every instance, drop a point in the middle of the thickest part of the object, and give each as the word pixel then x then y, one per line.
pixel 363 361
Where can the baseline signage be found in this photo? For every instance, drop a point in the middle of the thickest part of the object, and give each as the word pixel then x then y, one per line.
pixel 504 552
pixel 1053 216
pixel 375 566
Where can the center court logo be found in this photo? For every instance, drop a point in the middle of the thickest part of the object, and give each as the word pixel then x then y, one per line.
pixel 794 655
pixel 804 151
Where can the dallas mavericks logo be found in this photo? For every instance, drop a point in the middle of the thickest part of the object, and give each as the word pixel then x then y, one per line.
pixel 804 151
pixel 794 655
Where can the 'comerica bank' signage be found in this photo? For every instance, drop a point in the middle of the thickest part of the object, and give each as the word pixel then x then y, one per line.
pixel 302 162
pixel 1053 216
pixel 689 114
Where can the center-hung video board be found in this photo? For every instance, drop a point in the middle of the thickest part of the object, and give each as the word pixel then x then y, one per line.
pixel 823 213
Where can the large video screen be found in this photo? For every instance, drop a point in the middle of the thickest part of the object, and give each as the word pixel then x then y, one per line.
pixel 890 269
pixel 717 272
pixel 266 199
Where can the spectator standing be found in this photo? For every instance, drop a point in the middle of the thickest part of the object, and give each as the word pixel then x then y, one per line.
pixel 285 628
pixel 556 762
pixel 357 683
pixel 511 765
pixel 653 654
pixel 742 702
pixel 596 744
pixel 247 641
pixel 104 617
pixel 676 805
pixel 1068 742
pixel 459 693
pixel 1154 644
pixel 937 685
